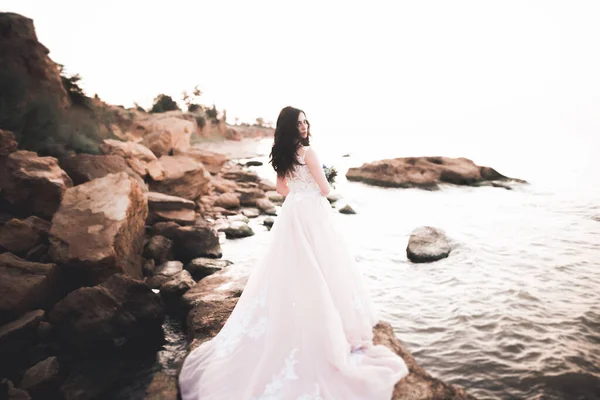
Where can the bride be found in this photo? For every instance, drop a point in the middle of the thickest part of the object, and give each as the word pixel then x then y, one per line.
pixel 302 328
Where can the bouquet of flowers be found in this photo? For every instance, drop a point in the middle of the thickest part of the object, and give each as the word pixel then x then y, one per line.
pixel 330 174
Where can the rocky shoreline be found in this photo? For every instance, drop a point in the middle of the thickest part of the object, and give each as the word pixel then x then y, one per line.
pixel 92 270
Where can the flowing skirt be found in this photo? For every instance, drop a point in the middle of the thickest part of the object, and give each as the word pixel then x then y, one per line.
pixel 302 328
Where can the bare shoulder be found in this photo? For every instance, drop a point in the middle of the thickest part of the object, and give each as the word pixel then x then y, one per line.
pixel 310 155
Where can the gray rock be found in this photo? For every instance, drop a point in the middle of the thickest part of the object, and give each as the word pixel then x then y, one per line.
pixel 250 212
pixel 427 244
pixel 238 229
pixel 158 248
pixel 347 209
pixel 202 267
pixel 176 287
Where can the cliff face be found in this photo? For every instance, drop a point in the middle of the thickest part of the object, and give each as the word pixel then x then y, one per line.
pixel 25 61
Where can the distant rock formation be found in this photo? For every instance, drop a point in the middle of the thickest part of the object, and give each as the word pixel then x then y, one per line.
pixel 427 173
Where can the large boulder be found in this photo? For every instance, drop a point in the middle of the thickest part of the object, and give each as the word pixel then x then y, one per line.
pixel 32 184
pixel 212 161
pixel 135 154
pixel 19 236
pixel 164 208
pixel 211 301
pixel 424 173
pixel 118 312
pixel 99 228
pixel 427 244
pixel 189 242
pixel 83 168
pixel 199 240
pixel 180 176
pixel 25 286
pixel 166 133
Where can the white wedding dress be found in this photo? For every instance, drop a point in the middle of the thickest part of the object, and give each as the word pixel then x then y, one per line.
pixel 302 328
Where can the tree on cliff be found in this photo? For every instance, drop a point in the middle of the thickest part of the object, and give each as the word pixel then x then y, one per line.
pixel 163 103
pixel 71 85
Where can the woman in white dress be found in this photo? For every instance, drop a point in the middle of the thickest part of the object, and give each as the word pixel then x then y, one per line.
pixel 302 328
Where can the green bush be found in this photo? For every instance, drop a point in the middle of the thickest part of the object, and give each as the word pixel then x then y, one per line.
pixel 163 103
pixel 39 121
pixel 212 112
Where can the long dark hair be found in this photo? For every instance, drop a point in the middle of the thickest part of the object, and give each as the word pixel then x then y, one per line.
pixel 287 141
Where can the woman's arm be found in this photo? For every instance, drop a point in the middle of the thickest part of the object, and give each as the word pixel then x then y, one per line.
pixel 316 170
pixel 281 186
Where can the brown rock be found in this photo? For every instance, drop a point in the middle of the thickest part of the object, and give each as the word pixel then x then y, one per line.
pixel 8 144
pixel 33 184
pixel 164 202
pixel 160 143
pixel 20 236
pixel 183 177
pixel 158 249
pixel 248 197
pixel 83 168
pixel 99 228
pixel 423 172
pixel 222 185
pixel 182 217
pixel 418 384
pixel 12 393
pixel 202 267
pixel 163 273
pixel 228 200
pixel 266 206
pixel 266 185
pixel 127 150
pixel 275 197
pixel 199 240
pixel 86 167
pixel 43 378
pixel 211 301
pixel 119 311
pixel 25 286
pixel 167 133
pixel 19 334
pixel 212 161
pixel 174 288
pixel 163 387
pixel 26 62
pixel 242 176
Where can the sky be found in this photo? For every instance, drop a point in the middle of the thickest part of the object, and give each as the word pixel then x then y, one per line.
pixel 487 67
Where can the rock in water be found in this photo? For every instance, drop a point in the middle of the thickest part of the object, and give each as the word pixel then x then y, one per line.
pixel 427 244
pixel 99 227
pixel 425 173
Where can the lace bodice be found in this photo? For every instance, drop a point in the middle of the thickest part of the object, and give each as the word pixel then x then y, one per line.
pixel 301 180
